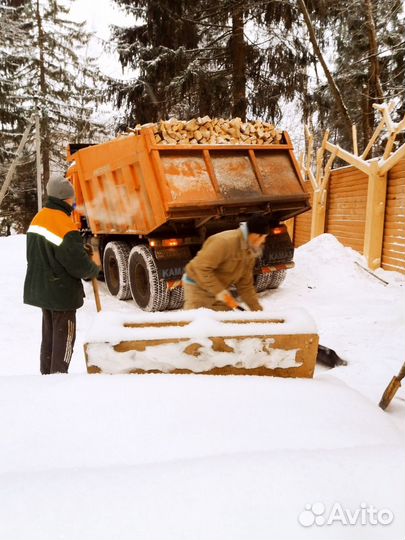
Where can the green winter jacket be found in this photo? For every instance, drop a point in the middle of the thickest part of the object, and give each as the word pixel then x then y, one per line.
pixel 57 260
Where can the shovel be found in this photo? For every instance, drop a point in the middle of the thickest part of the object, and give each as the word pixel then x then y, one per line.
pixel 96 292
pixel 392 388
pixel 94 256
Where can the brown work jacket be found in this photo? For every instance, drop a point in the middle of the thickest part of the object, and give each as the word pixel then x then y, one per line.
pixel 224 260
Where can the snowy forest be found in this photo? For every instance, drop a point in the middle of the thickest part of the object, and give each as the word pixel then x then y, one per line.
pixel 298 62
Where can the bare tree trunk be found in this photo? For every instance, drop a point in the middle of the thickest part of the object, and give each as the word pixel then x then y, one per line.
pixel 366 129
pixel 238 51
pixel 373 52
pixel 347 121
pixel 45 142
pixel 375 91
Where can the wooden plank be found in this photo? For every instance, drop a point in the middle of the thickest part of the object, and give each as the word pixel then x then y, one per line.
pixel 394 215
pixel 338 205
pixel 346 217
pixel 347 171
pixel 350 182
pixel 344 225
pixel 396 183
pixel 348 174
pixel 397 173
pixel 398 250
pixel 348 189
pixel 396 230
pixel 356 234
pixel 397 191
pixel 335 200
pixel 393 268
pixel 349 203
pixel 356 227
pixel 397 265
pixel 396 204
pixel 396 194
pixel 355 179
pixel 400 262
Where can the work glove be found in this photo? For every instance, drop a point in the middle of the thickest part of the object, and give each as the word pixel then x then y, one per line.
pixel 88 248
pixel 226 297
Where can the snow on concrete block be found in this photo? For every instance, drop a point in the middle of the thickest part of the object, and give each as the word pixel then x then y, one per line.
pixel 205 342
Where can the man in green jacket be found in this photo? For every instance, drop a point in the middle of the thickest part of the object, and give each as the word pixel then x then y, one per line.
pixel 226 259
pixel 57 262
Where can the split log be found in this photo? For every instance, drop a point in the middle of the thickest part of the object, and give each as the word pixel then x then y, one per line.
pixel 206 130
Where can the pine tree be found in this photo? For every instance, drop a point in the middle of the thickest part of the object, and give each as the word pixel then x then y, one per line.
pixel 226 58
pixel 56 77
pixel 52 73
pixel 11 121
pixel 364 38
pixel 20 203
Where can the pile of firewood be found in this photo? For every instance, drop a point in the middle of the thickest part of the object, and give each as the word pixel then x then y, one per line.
pixel 208 130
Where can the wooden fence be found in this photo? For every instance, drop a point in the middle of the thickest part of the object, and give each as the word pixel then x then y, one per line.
pixel 346 211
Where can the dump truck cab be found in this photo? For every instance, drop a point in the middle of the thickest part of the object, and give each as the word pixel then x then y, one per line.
pixel 148 207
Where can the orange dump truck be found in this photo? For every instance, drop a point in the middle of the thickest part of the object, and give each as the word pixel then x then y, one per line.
pixel 147 208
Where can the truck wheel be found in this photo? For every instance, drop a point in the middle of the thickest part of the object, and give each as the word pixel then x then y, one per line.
pixel 115 267
pixel 277 279
pixel 148 290
pixel 176 298
pixel 272 280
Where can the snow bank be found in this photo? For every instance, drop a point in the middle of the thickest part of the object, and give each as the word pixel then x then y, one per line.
pixel 199 323
pixel 191 457
pixel 75 421
pixel 179 457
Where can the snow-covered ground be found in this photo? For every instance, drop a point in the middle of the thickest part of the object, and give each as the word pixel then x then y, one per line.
pixel 195 457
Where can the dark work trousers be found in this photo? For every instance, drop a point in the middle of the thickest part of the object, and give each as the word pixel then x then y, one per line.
pixel 58 338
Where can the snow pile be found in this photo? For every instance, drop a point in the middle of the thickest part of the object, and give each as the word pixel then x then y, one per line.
pixel 325 262
pixel 192 457
pixel 174 457
pixel 200 323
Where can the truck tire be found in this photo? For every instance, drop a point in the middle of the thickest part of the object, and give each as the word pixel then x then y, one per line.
pixel 271 280
pixel 148 290
pixel 115 267
pixel 176 298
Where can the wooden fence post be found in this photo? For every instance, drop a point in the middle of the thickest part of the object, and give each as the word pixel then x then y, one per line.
pixel 318 212
pixel 375 214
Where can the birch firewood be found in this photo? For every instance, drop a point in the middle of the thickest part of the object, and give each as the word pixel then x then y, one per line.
pixel 206 130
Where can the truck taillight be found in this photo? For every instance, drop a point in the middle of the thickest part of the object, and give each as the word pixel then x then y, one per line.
pixel 169 242
pixel 278 230
pixel 172 242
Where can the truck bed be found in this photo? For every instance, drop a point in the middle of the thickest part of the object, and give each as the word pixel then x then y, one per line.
pixel 132 185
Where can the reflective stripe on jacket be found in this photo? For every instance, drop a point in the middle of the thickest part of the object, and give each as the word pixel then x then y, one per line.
pixel 56 260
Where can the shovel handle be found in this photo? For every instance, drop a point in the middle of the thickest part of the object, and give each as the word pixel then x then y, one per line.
pixel 401 373
pixel 94 282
